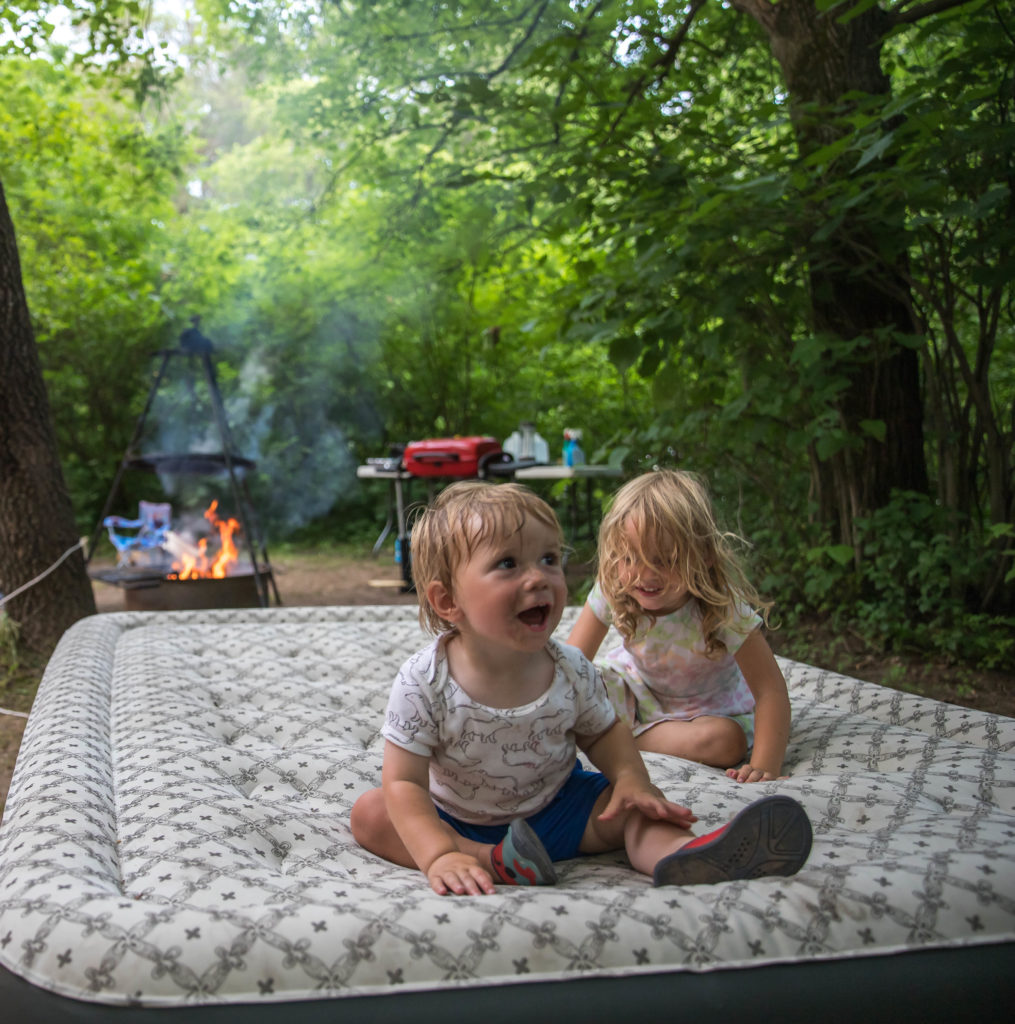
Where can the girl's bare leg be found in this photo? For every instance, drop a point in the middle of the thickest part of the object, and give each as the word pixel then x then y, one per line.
pixel 718 742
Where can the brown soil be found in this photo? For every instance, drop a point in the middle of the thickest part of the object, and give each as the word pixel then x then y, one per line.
pixel 337 579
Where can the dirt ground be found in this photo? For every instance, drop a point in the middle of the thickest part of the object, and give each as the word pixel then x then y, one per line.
pixel 336 579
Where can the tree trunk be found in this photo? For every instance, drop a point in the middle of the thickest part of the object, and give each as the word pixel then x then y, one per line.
pixel 36 518
pixel 857 292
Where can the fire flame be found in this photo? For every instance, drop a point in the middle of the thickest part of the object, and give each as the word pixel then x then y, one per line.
pixel 201 565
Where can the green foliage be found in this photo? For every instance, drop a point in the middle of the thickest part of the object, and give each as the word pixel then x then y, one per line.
pixel 9 654
pixel 913 584
pixel 359 314
pixel 407 220
pixel 87 182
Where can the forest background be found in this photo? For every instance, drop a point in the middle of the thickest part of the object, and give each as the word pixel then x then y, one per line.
pixel 767 242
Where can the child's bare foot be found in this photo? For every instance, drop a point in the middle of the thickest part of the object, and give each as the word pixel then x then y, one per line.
pixel 772 836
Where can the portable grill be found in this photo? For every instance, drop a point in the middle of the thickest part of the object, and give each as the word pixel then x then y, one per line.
pixel 460 457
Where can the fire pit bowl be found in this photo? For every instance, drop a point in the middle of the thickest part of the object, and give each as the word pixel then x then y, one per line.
pixel 164 594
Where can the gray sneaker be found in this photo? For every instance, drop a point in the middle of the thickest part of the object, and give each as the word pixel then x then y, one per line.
pixel 772 836
pixel 521 859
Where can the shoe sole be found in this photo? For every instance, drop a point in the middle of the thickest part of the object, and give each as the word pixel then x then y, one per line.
pixel 529 846
pixel 770 837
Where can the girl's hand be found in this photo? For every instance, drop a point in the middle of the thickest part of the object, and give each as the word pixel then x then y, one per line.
pixel 748 773
pixel 630 792
pixel 458 873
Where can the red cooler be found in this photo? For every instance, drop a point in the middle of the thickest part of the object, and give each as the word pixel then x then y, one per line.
pixel 450 456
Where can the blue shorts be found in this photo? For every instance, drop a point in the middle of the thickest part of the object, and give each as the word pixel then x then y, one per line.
pixel 560 825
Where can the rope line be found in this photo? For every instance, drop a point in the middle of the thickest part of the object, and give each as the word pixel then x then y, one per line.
pixel 25 586
pixel 42 575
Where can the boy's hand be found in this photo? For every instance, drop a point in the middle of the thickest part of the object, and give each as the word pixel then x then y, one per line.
pixel 633 792
pixel 459 873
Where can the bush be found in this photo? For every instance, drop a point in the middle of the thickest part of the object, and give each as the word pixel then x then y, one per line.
pixel 910 585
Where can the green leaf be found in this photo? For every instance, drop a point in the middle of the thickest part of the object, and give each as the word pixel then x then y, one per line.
pixel 875 428
pixel 875 151
pixel 618 454
pixel 841 554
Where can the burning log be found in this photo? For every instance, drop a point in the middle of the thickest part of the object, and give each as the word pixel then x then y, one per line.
pixel 192 561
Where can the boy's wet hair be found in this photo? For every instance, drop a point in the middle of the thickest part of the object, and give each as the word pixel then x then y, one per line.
pixel 461 518
pixel 675 530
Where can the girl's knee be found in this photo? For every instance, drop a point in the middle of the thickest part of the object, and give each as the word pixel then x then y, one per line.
pixel 730 744
pixel 717 742
pixel 725 749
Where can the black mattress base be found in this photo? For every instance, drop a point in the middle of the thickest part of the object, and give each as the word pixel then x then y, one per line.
pixel 936 985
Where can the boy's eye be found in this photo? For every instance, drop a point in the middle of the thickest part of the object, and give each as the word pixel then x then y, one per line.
pixel 507 562
pixel 551 558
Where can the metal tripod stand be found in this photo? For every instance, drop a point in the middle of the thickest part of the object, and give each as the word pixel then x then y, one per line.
pixel 195 347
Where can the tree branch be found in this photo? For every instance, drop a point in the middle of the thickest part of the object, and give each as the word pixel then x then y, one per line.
pixel 762 11
pixel 662 64
pixel 901 16
pixel 526 36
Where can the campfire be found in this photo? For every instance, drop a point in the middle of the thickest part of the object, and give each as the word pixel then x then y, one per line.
pixel 161 567
pixel 193 561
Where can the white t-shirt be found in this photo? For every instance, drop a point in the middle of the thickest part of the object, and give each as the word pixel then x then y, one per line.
pixel 491 765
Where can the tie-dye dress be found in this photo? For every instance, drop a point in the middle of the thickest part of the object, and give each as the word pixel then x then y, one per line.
pixel 664 674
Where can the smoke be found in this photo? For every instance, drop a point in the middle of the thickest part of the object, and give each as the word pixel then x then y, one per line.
pixel 304 462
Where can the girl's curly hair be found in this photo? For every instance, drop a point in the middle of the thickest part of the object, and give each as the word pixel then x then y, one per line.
pixel 676 531
pixel 461 518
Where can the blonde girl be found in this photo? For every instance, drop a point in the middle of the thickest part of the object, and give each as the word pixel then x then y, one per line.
pixel 694 676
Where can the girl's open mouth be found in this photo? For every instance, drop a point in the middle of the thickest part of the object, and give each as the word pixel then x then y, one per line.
pixel 535 617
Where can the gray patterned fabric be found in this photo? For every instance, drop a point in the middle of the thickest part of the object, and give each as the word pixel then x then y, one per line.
pixel 177 830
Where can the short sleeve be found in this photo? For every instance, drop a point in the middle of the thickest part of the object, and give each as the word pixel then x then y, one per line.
pixel 598 604
pixel 594 714
pixel 410 722
pixel 744 623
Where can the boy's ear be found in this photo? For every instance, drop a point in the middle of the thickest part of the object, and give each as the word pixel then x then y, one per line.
pixel 442 601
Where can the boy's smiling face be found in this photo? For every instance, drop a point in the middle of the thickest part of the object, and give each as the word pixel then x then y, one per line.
pixel 511 591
